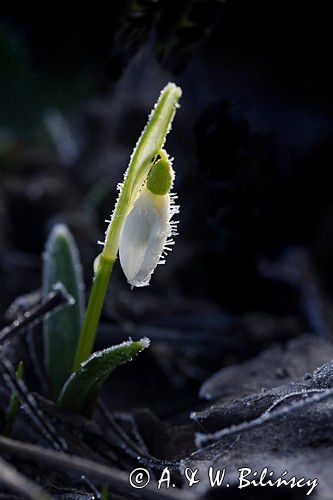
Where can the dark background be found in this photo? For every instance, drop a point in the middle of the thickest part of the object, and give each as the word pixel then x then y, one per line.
pixel 252 144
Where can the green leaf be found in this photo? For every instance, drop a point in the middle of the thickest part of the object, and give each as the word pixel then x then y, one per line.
pixel 81 389
pixel 61 330
pixel 14 404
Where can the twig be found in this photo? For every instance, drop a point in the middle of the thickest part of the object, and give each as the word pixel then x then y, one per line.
pixel 30 406
pixel 16 481
pixel 115 478
pixel 131 448
pixel 44 426
pixel 56 298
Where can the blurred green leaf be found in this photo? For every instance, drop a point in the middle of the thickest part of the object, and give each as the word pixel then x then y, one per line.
pixel 14 404
pixel 104 492
pixel 81 389
pixel 61 330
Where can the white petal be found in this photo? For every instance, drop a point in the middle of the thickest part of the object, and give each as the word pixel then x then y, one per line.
pixel 143 237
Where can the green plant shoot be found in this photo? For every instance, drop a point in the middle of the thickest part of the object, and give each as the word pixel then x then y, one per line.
pixel 148 147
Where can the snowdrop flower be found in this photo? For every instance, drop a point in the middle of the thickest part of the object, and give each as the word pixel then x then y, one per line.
pixel 146 235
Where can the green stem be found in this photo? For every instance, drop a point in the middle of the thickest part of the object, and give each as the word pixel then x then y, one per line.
pixel 93 313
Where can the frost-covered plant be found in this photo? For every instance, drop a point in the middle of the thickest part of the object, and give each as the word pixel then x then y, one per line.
pixel 142 161
pixel 141 229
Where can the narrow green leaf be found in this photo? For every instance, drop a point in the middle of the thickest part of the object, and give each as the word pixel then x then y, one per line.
pixel 14 404
pixel 79 392
pixel 62 329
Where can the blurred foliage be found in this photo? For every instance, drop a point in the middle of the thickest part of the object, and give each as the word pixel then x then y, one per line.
pixel 133 28
pixel 61 61
pixel 14 403
pixel 180 31
pixel 26 91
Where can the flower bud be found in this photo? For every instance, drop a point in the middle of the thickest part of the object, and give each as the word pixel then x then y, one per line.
pixel 161 176
pixel 145 235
